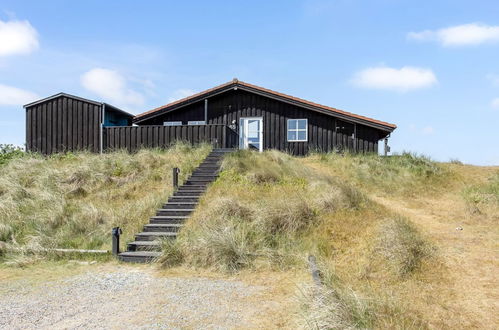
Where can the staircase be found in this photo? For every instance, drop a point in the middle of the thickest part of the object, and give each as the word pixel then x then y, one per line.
pixel 170 218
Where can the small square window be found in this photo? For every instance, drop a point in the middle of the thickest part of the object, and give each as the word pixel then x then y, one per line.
pixel 297 130
pixel 172 123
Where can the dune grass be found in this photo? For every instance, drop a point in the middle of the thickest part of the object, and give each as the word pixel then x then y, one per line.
pixel 266 212
pixel 270 211
pixel 407 173
pixel 483 198
pixel 73 200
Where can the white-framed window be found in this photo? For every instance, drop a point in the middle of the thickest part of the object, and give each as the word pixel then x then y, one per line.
pixel 172 123
pixel 196 122
pixel 297 130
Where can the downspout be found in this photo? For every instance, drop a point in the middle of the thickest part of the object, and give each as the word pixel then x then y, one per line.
pixel 206 111
pixel 103 111
pixel 355 137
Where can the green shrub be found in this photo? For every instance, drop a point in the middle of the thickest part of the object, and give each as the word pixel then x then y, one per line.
pixel 9 152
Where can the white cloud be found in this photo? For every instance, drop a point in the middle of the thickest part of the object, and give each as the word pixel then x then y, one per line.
pixel 403 79
pixel 15 96
pixel 111 86
pixel 495 103
pixel 460 35
pixel 180 94
pixel 17 37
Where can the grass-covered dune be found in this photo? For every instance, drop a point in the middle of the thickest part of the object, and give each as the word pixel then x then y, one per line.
pixel 73 200
pixel 382 268
pixel 401 241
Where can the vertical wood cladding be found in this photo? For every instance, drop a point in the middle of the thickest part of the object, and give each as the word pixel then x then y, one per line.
pixel 63 124
pixel 133 138
pixel 325 132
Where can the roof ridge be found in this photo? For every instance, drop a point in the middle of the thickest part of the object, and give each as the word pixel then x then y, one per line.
pixel 237 82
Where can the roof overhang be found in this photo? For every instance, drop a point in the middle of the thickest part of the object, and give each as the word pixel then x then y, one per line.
pixel 74 97
pixel 235 84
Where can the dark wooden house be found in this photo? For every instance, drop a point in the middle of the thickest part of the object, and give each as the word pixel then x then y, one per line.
pixel 264 119
pixel 65 122
pixel 233 115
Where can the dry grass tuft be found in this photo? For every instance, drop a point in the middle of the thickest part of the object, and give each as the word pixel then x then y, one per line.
pixel 483 198
pixel 73 200
pixel 246 221
pixel 407 173
pixel 403 246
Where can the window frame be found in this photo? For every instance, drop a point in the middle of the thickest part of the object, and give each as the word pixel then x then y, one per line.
pixel 196 122
pixel 288 129
pixel 172 123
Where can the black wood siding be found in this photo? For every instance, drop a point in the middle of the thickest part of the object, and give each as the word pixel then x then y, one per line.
pixel 323 134
pixel 133 138
pixel 63 124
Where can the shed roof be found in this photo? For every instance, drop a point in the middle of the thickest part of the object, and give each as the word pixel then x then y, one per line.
pixel 235 83
pixel 74 97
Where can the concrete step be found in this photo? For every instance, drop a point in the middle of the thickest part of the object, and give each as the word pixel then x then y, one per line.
pixel 203 177
pixel 208 167
pixel 191 193
pixel 154 235
pixel 174 211
pixel 183 199
pixel 144 246
pixel 180 205
pixel 139 256
pixel 205 172
pixel 168 219
pixel 163 227
pixel 198 182
pixel 195 185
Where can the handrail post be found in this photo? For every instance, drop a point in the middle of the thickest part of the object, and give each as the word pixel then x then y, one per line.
pixel 176 171
pixel 116 240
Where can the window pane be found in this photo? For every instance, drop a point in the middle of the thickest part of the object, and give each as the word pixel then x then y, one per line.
pixel 302 135
pixel 292 124
pixel 291 135
pixel 172 123
pixel 302 123
pixel 253 125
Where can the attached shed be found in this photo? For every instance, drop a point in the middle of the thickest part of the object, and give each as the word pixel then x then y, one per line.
pixel 65 122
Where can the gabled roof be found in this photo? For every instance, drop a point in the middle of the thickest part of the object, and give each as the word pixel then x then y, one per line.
pixel 235 84
pixel 74 97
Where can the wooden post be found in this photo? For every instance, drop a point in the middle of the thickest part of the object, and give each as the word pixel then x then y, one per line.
pixel 387 148
pixel 116 240
pixel 176 171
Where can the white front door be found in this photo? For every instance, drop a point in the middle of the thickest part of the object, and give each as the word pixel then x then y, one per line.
pixel 251 133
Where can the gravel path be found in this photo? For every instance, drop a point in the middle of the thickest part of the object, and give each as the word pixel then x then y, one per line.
pixel 129 299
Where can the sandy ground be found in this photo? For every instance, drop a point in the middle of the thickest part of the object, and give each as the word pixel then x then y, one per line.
pixel 126 297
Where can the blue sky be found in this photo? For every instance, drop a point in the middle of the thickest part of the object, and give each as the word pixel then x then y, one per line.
pixel 431 67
